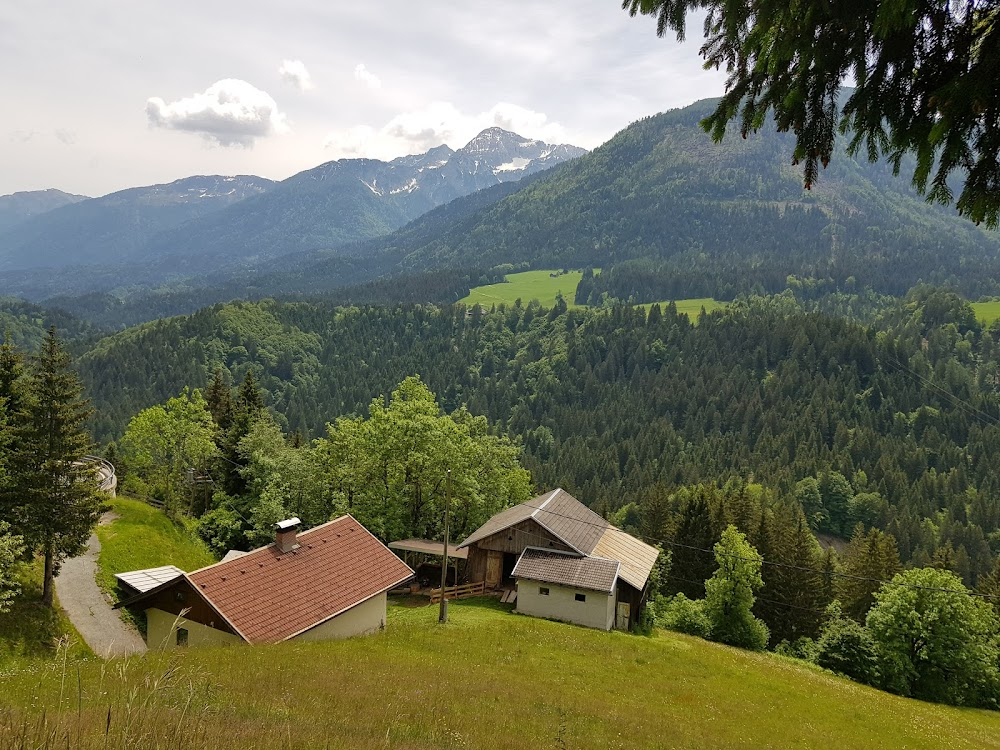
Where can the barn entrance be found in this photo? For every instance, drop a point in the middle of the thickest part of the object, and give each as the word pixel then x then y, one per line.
pixel 499 569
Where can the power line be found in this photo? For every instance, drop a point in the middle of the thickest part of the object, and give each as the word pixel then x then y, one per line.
pixel 758 598
pixel 761 559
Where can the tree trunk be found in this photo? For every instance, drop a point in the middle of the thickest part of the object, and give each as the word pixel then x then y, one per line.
pixel 48 582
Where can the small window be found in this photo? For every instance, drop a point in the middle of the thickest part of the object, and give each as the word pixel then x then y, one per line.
pixel 581 597
pixel 543 591
pixel 182 636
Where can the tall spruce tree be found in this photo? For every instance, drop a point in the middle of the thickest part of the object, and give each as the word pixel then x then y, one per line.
pixel 247 409
pixel 61 502
pixel 693 563
pixel 219 397
pixel 11 405
pixel 869 559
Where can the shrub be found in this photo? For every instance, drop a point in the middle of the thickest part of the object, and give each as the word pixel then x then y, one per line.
pixel 847 648
pixel 800 648
pixel 683 615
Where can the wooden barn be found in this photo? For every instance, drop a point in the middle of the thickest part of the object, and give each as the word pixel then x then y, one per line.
pixel 566 562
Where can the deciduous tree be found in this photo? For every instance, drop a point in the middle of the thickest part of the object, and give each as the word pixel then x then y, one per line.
pixel 934 640
pixel 388 469
pixel 162 443
pixel 729 593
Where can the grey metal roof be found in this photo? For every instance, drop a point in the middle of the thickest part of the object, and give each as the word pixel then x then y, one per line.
pixel 429 547
pixel 148 578
pixel 564 569
pixel 571 521
pixel 559 512
pixel 502 520
pixel 580 528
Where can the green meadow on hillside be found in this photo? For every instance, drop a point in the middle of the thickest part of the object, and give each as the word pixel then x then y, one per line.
pixel 489 678
pixel 690 307
pixel 143 537
pixel 545 285
pixel 31 631
pixel 526 286
pixel 987 312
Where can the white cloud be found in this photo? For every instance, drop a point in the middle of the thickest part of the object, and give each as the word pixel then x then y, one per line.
pixel 372 81
pixel 230 112
pixel 295 73
pixel 437 123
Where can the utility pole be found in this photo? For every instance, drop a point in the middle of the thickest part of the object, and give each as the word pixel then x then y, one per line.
pixel 443 611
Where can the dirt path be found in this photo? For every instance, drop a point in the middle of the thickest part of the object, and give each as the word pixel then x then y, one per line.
pixel 89 610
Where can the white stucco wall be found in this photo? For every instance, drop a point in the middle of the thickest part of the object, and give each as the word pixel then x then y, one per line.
pixel 560 604
pixel 161 632
pixel 367 617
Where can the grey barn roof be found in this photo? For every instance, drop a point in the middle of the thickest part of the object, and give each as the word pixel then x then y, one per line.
pixel 579 528
pixel 559 512
pixel 565 569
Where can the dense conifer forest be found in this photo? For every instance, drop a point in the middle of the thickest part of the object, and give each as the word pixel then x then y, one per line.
pixel 892 424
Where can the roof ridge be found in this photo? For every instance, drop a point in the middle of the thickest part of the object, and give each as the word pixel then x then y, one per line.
pixel 255 550
pixel 551 496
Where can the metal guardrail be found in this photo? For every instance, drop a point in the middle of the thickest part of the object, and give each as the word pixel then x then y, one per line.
pixel 106 471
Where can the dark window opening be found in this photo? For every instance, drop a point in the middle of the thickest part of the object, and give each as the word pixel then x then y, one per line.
pixel 182 636
pixel 543 591
pixel 581 597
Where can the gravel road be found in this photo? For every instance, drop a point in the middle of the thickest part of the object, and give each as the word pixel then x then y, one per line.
pixel 89 609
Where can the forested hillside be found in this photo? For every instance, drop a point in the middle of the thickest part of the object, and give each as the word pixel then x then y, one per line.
pixel 612 403
pixel 715 220
pixel 24 324
pixel 667 213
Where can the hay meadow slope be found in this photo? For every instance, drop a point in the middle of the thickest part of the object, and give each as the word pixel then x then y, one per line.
pixel 487 678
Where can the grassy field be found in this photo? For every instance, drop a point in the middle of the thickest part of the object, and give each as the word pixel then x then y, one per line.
pixel 526 286
pixel 31 630
pixel 690 307
pixel 143 537
pixel 489 678
pixel 986 312
pixel 544 287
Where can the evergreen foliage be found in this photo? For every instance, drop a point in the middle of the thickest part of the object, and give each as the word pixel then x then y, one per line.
pixel 924 77
pixel 56 490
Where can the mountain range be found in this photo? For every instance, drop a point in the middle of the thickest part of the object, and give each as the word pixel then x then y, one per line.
pixel 202 223
pixel 664 210
pixel 19 207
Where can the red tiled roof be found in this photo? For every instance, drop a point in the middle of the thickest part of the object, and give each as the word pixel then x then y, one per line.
pixel 269 596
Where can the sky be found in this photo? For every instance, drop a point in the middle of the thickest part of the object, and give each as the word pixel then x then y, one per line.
pixel 102 95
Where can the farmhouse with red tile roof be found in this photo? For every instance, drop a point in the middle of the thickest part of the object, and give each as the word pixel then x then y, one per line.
pixel 325 583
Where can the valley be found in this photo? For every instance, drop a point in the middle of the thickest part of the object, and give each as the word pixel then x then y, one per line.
pixel 667 328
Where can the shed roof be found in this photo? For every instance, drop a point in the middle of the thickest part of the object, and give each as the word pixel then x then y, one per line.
pixel 148 578
pixel 559 512
pixel 566 569
pixel 637 557
pixel 269 596
pixel 581 529
pixel 429 547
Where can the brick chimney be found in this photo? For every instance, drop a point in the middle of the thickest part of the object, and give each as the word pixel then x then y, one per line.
pixel 285 533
